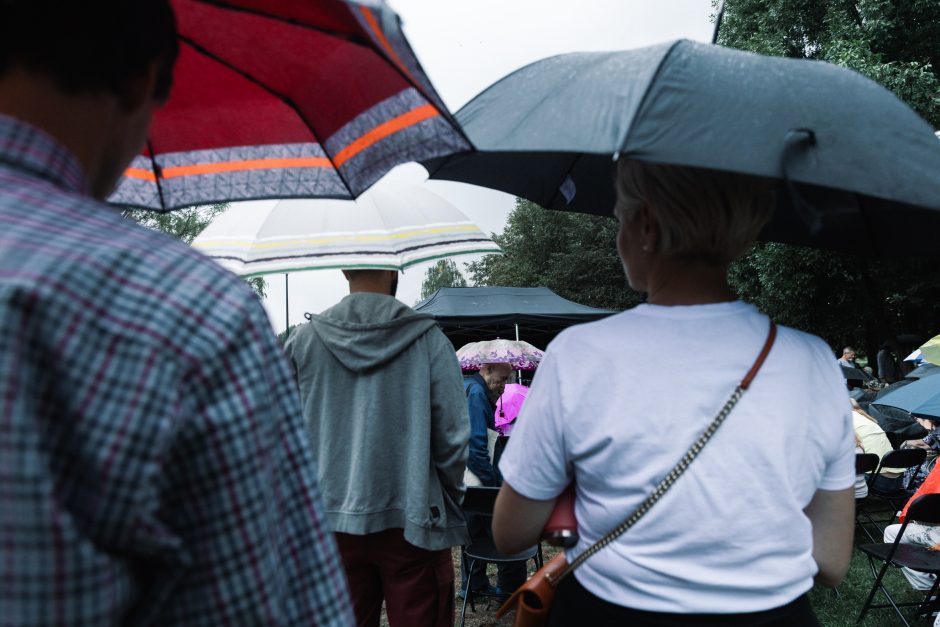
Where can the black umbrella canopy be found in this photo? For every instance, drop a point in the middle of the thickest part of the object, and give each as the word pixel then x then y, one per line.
pixel 854 374
pixel 858 167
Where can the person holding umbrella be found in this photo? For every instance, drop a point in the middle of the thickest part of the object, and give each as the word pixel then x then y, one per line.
pixel 702 554
pixel 482 389
pixel 155 468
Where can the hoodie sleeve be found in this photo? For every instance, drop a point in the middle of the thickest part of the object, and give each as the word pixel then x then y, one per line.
pixel 450 427
pixel 289 349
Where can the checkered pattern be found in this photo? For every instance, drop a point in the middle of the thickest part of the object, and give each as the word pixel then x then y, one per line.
pixel 154 468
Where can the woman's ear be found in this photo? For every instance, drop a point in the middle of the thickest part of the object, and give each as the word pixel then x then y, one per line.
pixel 649 228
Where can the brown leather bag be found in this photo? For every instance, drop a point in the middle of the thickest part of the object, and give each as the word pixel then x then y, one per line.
pixel 533 599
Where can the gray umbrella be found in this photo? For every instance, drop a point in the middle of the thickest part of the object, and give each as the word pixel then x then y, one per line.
pixel 859 167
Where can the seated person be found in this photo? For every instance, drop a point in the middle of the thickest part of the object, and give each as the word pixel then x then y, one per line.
pixel 873 440
pixel 931 444
pixel 918 533
pixel 861 483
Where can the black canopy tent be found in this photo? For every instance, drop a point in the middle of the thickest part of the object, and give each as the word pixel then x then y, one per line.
pixel 537 314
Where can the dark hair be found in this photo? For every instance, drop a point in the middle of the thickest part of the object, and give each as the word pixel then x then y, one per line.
pixel 90 46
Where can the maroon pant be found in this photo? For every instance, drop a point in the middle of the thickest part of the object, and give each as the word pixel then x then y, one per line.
pixel 417 585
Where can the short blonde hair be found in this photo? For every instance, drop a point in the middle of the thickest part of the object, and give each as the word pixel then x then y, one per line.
pixel 702 214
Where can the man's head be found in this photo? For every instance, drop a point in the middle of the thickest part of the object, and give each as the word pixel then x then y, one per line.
pixel 495 376
pixel 376 281
pixel 68 66
pixel 848 353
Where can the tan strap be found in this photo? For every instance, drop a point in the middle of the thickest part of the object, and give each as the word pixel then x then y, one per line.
pixel 768 343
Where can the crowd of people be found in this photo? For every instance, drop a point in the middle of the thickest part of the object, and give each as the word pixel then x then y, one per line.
pixel 163 463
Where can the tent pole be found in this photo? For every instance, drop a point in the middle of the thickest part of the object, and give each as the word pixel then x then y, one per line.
pixel 286 303
pixel 518 372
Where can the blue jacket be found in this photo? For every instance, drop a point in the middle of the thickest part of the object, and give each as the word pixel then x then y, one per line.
pixel 482 416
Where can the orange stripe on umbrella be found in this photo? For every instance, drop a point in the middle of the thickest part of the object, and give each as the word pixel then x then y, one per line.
pixel 230 166
pixel 141 174
pixel 381 131
pixel 374 25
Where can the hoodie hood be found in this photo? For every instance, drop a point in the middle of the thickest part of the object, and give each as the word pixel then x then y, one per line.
pixel 365 330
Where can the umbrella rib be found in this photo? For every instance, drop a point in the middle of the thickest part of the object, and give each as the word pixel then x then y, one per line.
pixel 221 4
pixel 156 175
pixel 285 99
pixel 355 252
pixel 639 108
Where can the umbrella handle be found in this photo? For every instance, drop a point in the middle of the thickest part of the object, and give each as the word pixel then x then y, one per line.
pixel 799 139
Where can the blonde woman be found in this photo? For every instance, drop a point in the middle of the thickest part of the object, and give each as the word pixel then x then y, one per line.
pixel 784 457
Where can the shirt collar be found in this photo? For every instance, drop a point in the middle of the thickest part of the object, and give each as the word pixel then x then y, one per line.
pixel 33 151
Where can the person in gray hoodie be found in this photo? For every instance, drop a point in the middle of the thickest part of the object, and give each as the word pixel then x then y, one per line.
pixel 383 396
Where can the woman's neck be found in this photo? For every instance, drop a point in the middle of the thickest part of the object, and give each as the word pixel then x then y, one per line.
pixel 687 282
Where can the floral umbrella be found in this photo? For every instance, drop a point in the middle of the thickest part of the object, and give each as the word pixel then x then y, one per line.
pixel 520 355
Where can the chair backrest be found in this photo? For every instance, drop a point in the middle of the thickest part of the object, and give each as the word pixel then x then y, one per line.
pixel 925 509
pixel 865 463
pixel 903 458
pixel 480 500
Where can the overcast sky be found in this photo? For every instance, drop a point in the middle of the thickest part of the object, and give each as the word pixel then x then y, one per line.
pixel 464 46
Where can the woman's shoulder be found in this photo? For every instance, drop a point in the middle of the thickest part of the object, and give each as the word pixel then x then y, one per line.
pixel 808 345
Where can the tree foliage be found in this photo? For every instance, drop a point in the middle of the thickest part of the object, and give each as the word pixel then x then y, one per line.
pixel 846 299
pixel 894 42
pixel 444 273
pixel 573 254
pixel 186 224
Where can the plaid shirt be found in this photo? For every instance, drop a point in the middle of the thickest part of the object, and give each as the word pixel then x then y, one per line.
pixel 154 467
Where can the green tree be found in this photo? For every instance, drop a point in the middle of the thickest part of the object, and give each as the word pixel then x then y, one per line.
pixel 573 254
pixel 186 224
pixel 846 299
pixel 444 273
pixel 894 42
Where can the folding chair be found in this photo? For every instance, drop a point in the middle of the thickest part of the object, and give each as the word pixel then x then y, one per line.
pixel 865 464
pixel 926 509
pixel 903 458
pixel 480 501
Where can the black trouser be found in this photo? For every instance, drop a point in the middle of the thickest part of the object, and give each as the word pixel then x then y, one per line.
pixel 574 605
pixel 509 575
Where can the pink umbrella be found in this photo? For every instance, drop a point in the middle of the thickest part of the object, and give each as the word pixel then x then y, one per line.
pixel 508 407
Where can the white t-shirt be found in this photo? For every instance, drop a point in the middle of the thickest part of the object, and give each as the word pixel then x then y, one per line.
pixel 616 403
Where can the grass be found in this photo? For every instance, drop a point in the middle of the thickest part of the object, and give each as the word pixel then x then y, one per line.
pixel 842 609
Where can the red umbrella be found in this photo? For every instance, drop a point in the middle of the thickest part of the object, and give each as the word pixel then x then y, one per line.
pixel 286 99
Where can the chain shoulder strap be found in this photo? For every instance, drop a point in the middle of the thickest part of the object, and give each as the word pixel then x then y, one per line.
pixel 679 468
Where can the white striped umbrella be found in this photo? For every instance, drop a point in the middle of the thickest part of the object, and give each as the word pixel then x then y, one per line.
pixel 392 226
